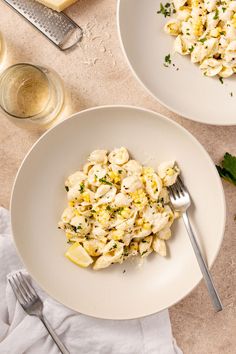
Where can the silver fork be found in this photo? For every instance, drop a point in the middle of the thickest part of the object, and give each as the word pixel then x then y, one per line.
pixel 181 201
pixel 32 304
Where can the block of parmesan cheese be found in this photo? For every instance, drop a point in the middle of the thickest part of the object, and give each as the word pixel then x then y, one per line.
pixel 58 5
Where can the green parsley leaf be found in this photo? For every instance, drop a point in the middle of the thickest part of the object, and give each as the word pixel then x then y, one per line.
pixel 202 40
pixel 81 187
pixel 103 180
pixel 165 10
pixel 113 247
pixel 67 188
pixel 191 49
pixel 167 59
pixel 221 80
pixel 119 210
pixel 228 169
pixel 216 16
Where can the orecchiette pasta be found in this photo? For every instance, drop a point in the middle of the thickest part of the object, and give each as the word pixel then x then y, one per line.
pixel 206 30
pixel 117 208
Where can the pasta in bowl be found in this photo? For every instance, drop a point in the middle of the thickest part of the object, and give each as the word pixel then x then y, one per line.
pixel 117 208
pixel 206 30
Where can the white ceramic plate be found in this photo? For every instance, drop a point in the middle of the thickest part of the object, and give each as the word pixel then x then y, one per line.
pixel 186 91
pixel 39 198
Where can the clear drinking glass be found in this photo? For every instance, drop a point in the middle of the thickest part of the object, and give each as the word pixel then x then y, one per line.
pixel 30 92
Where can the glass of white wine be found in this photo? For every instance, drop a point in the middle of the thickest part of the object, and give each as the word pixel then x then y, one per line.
pixel 30 92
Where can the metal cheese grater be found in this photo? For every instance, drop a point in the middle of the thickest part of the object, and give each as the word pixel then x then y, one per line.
pixel 56 26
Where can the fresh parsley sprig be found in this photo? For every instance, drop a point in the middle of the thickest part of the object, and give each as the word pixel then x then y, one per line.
pixel 227 170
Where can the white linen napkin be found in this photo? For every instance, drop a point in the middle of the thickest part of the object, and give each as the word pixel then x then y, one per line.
pixel 21 333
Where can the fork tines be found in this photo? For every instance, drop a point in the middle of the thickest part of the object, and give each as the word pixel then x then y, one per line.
pixel 23 290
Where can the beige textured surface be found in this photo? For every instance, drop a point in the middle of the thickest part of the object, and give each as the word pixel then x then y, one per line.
pixel 97 74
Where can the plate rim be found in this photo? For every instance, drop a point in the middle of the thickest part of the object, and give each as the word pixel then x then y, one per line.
pixel 135 74
pixel 158 115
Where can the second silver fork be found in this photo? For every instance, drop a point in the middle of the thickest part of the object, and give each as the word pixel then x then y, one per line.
pixel 32 304
pixel 181 201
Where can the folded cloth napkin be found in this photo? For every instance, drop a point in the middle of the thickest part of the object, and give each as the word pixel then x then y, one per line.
pixel 21 333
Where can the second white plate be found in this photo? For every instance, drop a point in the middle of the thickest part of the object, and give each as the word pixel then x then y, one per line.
pixel 185 91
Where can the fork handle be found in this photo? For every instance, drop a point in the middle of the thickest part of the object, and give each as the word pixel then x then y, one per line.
pixel 205 272
pixel 54 336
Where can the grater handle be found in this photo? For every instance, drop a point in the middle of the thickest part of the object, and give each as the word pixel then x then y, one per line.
pixel 59 28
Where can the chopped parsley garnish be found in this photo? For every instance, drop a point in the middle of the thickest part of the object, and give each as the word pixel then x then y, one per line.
pixel 167 60
pixel 108 207
pixel 119 171
pixel 143 253
pixel 119 210
pixel 78 228
pixel 202 40
pixel 228 169
pixel 167 9
pixel 216 16
pixel 113 247
pixel 81 187
pixel 221 80
pixel 103 180
pixel 231 94
pixel 191 49
pixel 223 9
pixel 67 188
